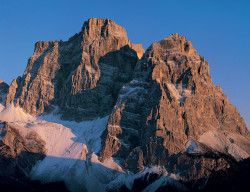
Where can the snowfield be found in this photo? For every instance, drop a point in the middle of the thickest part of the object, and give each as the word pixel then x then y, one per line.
pixel 72 152
pixel 231 144
pixel 225 144
pixel 13 114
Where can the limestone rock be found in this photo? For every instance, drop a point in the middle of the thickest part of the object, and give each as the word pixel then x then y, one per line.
pixel 19 153
pixel 3 89
pixel 82 75
pixel 162 104
pixel 170 101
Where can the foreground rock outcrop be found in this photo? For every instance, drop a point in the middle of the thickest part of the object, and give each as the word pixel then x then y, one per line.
pixel 231 179
pixel 167 123
pixel 19 152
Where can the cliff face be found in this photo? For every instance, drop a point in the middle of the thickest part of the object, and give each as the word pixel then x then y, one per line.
pixel 163 107
pixel 3 90
pixel 170 101
pixel 19 153
pixel 82 76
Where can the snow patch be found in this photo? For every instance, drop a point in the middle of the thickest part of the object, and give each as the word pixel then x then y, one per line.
pixel 1 107
pixel 237 152
pixel 14 114
pixel 178 92
pixel 164 178
pixel 191 146
pixel 71 155
pixel 129 91
pixel 71 149
pixel 215 141
pixel 163 181
pixel 109 163
pixel 224 144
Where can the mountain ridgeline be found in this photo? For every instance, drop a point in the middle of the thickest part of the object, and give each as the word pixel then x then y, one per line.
pixel 162 106
pixel 81 76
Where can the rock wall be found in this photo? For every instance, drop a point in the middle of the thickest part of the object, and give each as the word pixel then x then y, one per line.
pixel 170 100
pixel 3 90
pixel 82 75
pixel 158 101
pixel 19 153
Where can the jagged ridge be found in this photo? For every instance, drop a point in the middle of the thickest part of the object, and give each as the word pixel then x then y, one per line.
pixel 160 107
pixel 82 75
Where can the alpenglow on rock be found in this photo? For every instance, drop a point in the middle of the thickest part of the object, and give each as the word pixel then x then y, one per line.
pixel 170 101
pixel 147 118
pixel 82 75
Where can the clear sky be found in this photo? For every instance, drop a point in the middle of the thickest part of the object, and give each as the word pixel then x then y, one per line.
pixel 218 29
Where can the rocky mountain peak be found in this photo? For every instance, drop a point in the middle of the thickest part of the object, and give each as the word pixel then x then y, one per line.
pixel 103 28
pixel 42 46
pixel 81 74
pixel 142 118
pixel 170 100
pixel 176 43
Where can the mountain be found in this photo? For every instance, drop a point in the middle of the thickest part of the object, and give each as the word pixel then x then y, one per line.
pixel 170 101
pixel 100 114
pixel 82 76
pixel 3 92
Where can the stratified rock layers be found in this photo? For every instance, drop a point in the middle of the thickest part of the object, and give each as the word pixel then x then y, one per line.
pixel 82 76
pixel 158 101
pixel 18 154
pixel 170 100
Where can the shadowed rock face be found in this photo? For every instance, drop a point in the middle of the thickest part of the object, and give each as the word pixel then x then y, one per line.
pixel 3 89
pixel 231 179
pixel 158 105
pixel 170 100
pixel 19 153
pixel 82 75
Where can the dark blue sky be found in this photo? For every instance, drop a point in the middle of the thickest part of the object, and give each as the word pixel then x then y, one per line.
pixel 218 29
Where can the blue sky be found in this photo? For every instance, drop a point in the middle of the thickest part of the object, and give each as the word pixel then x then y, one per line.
pixel 219 31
